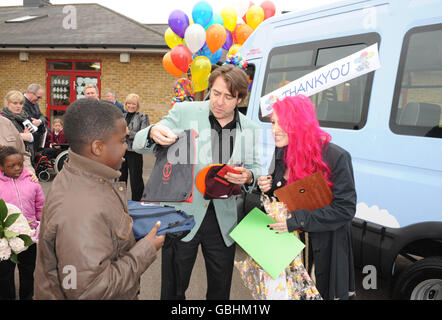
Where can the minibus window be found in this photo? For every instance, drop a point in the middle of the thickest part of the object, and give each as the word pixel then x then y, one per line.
pixel 329 55
pixel 290 60
pixel 343 106
pixel 417 101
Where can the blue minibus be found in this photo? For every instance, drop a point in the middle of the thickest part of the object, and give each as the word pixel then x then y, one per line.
pixel 389 120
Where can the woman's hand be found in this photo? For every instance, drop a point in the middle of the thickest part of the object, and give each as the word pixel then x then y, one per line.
pixel 26 135
pixel 280 227
pixel 265 183
pixel 33 177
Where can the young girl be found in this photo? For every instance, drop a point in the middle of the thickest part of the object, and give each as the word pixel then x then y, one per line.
pixel 17 189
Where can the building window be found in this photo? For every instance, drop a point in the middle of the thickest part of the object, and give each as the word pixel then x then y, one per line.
pixel 343 106
pixel 416 108
pixel 66 82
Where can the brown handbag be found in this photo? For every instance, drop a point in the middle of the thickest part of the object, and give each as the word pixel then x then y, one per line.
pixel 309 193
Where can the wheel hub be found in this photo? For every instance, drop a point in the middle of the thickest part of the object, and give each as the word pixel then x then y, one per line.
pixel 430 289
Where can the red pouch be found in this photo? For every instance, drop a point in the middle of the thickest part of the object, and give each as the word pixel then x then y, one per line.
pixel 219 176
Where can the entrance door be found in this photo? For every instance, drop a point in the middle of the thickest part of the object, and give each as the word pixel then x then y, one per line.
pixel 66 81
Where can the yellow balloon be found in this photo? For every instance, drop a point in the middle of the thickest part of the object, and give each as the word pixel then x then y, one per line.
pixel 233 50
pixel 229 17
pixel 172 39
pixel 254 16
pixel 200 69
pixel 200 85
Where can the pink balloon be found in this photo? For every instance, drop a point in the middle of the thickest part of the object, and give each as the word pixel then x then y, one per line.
pixel 269 9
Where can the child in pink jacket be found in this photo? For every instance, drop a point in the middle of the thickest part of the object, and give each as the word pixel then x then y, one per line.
pixel 16 188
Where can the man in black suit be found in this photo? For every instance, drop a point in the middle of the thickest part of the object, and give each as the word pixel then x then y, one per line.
pixel 33 94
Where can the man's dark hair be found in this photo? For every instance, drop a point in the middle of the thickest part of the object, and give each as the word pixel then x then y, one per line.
pixel 236 79
pixel 87 120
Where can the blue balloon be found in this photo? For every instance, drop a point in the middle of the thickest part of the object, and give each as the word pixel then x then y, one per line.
pixel 202 13
pixel 214 58
pixel 216 19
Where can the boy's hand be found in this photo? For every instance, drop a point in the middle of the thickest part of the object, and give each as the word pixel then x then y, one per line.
pixel 157 241
pixel 162 135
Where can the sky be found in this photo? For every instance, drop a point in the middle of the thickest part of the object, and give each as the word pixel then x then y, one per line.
pixel 157 11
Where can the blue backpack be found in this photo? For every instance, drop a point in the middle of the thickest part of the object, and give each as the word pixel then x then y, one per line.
pixel 174 222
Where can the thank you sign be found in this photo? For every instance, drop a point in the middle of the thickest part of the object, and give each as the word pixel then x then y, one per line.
pixel 333 74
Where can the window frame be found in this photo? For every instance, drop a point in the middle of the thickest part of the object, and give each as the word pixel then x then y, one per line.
pixel 419 131
pixel 367 39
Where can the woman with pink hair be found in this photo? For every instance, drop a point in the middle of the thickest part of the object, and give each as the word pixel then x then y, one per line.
pixel 303 148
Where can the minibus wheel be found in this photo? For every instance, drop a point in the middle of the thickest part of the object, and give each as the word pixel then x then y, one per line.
pixel 420 281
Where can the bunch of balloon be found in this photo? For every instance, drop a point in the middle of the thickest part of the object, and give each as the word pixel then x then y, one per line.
pixel 200 43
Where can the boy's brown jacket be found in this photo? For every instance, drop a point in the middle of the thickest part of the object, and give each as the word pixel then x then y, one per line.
pixel 86 247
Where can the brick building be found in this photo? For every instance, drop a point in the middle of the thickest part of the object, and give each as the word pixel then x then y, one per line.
pixel 64 47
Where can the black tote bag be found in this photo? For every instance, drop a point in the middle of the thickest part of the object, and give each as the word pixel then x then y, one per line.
pixel 172 176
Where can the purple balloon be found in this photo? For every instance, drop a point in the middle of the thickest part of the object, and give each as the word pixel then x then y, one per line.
pixel 178 22
pixel 229 40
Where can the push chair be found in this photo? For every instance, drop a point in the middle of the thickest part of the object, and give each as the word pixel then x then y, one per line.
pixel 47 166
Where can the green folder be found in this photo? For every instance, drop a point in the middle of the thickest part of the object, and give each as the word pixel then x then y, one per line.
pixel 272 251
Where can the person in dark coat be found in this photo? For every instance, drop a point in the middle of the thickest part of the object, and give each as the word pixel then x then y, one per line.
pixel 112 97
pixel 33 94
pixel 134 161
pixel 303 148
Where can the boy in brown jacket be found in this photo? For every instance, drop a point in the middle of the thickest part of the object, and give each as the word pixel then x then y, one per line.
pixel 86 247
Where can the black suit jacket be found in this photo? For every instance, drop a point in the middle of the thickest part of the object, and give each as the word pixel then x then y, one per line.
pixel 33 111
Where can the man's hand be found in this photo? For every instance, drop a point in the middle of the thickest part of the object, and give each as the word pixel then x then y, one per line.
pixel 36 122
pixel 162 135
pixel 245 177
pixel 157 241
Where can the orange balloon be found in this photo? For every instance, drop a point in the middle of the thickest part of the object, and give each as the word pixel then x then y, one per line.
pixel 215 37
pixel 170 67
pixel 241 33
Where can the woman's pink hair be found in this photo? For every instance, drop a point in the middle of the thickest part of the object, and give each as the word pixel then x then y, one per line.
pixel 303 155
